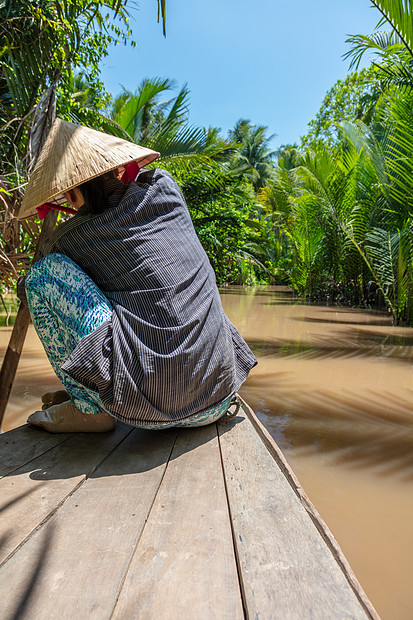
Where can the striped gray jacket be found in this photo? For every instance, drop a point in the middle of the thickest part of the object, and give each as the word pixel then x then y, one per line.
pixel 169 350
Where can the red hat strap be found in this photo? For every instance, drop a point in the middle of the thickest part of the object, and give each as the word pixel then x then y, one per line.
pixel 131 172
pixel 45 208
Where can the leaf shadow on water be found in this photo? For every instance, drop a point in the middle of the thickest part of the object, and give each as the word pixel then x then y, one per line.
pixel 371 429
pixel 375 320
pixel 347 343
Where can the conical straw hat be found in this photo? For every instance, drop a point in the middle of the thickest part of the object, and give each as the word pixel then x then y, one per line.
pixel 73 154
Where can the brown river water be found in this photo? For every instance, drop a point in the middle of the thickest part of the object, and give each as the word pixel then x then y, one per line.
pixel 334 386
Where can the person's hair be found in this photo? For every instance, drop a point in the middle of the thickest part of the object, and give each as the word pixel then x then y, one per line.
pixel 95 193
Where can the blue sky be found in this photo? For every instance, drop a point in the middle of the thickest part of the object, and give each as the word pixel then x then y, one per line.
pixel 270 61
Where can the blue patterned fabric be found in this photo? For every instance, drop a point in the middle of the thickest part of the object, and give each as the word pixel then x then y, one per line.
pixel 198 419
pixel 65 306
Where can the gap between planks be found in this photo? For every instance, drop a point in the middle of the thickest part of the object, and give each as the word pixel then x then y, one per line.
pixel 184 562
pixel 64 499
pixel 122 582
pixel 66 577
pixel 234 544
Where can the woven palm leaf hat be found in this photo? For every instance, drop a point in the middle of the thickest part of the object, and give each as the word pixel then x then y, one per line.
pixel 72 155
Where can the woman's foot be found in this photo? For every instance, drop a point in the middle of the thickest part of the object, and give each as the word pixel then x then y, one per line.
pixel 54 398
pixel 65 418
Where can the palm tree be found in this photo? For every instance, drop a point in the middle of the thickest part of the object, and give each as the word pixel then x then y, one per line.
pixel 254 158
pixel 343 207
pixel 399 14
pixel 160 123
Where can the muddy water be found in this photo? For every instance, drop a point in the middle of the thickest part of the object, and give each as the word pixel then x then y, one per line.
pixel 335 389
pixel 34 377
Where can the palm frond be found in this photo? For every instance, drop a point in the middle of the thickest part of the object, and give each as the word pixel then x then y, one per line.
pixel 381 43
pixel 397 72
pixel 96 120
pixel 399 15
pixel 135 106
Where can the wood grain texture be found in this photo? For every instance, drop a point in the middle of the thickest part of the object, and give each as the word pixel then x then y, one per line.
pixel 184 565
pixel 322 527
pixel 32 492
pixel 134 524
pixel 21 445
pixel 287 570
pixel 73 565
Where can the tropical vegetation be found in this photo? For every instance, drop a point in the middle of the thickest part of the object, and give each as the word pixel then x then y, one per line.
pixel 49 51
pixel 331 215
pixel 343 203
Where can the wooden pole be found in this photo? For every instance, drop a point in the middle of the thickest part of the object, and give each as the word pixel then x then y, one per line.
pixel 18 335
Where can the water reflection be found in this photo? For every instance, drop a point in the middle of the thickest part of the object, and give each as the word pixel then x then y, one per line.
pixel 343 345
pixel 335 388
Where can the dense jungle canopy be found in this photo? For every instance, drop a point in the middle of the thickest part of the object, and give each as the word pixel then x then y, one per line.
pixel 330 216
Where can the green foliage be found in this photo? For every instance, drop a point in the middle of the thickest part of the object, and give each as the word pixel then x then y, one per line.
pixel 222 208
pixel 394 63
pixel 50 52
pixel 399 15
pixel 354 98
pixel 41 42
pixel 341 203
pixel 254 158
pixel 346 211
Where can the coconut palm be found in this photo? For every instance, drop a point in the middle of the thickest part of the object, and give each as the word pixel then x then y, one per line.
pixel 254 158
pixel 155 118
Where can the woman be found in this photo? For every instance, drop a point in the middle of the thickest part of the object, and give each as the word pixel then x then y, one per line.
pixel 125 301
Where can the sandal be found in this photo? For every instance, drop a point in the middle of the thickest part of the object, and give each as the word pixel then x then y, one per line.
pixel 235 405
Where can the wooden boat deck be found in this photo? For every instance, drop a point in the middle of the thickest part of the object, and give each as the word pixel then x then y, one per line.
pixel 205 523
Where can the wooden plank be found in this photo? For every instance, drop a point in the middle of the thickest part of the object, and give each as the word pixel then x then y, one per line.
pixel 184 565
pixel 321 526
pixel 287 570
pixel 21 445
pixel 73 565
pixel 32 492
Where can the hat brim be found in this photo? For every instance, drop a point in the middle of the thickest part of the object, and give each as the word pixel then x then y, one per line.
pixel 72 155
